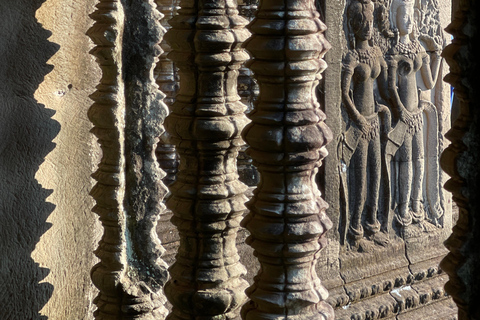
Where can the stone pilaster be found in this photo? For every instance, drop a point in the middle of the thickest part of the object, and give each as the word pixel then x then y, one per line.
pixel 205 123
pixel 287 136
pixel 127 115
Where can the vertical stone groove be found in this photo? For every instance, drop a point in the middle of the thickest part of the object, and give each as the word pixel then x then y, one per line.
pixel 127 114
pixel 205 125
pixel 287 136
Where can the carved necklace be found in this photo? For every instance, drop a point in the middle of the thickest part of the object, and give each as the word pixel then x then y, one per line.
pixel 367 56
pixel 409 50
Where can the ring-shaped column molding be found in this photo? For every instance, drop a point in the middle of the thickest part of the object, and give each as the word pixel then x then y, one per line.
pixel 286 141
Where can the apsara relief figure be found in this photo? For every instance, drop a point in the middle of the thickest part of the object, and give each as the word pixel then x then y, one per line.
pixel 360 147
pixel 406 141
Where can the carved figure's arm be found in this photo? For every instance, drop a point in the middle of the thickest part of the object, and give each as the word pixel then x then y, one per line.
pixel 347 73
pixel 397 104
pixel 382 80
pixel 430 68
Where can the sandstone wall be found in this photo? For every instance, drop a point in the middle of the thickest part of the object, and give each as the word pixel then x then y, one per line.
pixel 359 286
pixel 47 231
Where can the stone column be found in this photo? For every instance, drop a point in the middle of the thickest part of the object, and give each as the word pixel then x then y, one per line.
pixel 287 137
pixel 127 115
pixel 205 123
pixel 461 160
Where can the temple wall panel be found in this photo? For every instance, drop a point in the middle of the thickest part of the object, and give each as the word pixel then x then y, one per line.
pixel 382 177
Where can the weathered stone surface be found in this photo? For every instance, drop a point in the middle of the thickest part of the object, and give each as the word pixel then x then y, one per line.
pixel 382 178
pixel 127 115
pixel 205 123
pixel 47 231
pixel 406 139
pixel 421 300
pixel 441 310
pixel 27 138
pixel 170 239
pixel 286 142
pixel 460 160
pixel 167 80
pixel 358 266
pixel 360 151
pixel 382 307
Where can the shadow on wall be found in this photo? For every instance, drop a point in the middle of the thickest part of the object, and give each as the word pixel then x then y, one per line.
pixel 26 134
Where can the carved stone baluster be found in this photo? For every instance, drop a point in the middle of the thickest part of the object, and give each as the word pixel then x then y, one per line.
pixel 461 160
pixel 287 137
pixel 205 125
pixel 127 114
pixel 165 76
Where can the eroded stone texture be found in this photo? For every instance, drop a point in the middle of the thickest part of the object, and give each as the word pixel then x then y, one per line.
pixel 405 142
pixel 384 185
pixel 205 123
pixel 127 114
pixel 167 80
pixel 360 151
pixel 460 160
pixel 286 142
pixel 47 230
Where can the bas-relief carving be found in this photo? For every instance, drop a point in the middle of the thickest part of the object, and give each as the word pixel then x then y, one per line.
pixel 391 203
pixel 413 204
pixel 383 158
pixel 360 148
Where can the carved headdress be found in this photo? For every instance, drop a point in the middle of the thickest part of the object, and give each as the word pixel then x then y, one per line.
pixel 357 12
pixel 413 47
pixel 394 8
